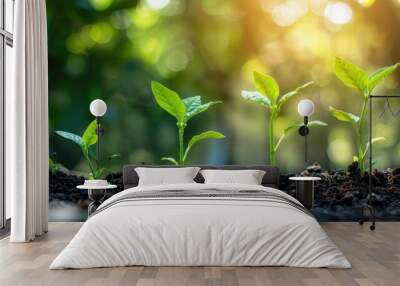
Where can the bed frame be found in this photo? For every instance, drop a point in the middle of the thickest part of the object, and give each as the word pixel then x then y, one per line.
pixel 270 179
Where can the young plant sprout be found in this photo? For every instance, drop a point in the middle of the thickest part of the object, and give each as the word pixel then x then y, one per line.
pixel 354 77
pixel 183 110
pixel 267 94
pixel 88 139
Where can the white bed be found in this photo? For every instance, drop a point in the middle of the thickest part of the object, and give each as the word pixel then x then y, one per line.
pixel 185 230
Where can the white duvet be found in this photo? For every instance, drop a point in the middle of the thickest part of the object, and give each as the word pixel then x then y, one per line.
pixel 200 231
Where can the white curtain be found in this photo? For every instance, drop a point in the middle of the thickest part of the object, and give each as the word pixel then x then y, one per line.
pixel 27 124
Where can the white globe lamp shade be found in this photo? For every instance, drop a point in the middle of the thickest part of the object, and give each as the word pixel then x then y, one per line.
pixel 305 107
pixel 98 108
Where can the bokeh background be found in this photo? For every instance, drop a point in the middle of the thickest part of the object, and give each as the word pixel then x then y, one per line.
pixel 112 49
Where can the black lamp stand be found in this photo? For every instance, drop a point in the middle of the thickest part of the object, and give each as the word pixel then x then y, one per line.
pixel 99 132
pixel 304 131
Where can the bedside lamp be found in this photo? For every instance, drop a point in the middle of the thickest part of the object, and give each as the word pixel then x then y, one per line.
pixel 98 108
pixel 305 108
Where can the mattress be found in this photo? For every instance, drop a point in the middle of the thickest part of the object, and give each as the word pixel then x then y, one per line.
pixel 201 225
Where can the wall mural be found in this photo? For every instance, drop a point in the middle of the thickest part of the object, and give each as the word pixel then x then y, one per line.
pixel 159 65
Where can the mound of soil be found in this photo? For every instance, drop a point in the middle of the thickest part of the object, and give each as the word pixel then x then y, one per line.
pixel 350 188
pixel 63 187
pixel 337 190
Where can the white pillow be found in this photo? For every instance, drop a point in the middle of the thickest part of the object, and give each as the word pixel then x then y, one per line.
pixel 248 177
pixel 166 176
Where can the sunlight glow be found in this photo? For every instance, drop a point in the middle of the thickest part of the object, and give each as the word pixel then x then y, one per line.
pixel 287 13
pixel 250 66
pixel 308 40
pixel 157 4
pixel 366 3
pixel 338 13
pixel 318 6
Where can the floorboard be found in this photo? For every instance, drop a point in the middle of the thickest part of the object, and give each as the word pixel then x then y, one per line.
pixel 375 257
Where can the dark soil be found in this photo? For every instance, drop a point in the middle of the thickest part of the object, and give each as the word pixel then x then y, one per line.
pixel 63 187
pixel 335 191
pixel 350 188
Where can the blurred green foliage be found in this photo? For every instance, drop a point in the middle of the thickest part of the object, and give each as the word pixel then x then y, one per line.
pixel 112 49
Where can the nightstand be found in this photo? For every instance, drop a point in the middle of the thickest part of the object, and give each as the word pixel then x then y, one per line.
pixel 96 195
pixel 305 190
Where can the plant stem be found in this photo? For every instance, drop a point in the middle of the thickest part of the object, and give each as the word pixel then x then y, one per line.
pixel 271 145
pixel 360 134
pixel 90 164
pixel 181 131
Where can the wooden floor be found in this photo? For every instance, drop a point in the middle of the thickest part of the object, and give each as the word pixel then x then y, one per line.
pixel 375 257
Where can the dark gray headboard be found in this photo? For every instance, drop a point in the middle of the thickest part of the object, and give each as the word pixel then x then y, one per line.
pixel 271 177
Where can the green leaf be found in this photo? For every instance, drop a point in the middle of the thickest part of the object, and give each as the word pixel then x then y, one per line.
pixel 194 106
pixel 289 129
pixel 310 124
pixel 373 141
pixel 203 136
pixel 266 85
pixel 90 136
pixel 192 103
pixel 317 123
pixel 296 126
pixel 286 97
pixel 256 97
pixel 99 173
pixel 343 115
pixel 169 100
pixel 379 75
pixel 285 132
pixel 73 137
pixel 376 139
pixel 53 166
pixel 170 159
pixel 113 156
pixel 351 75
